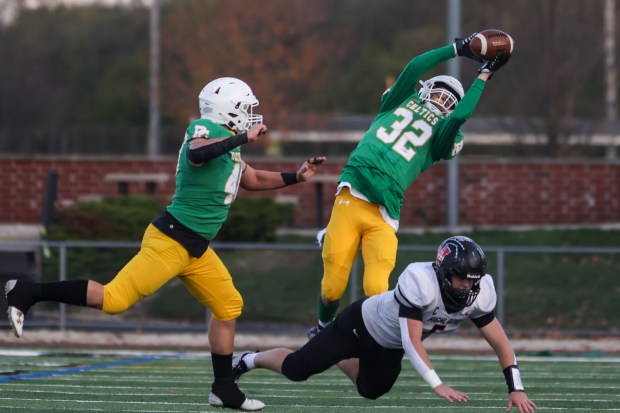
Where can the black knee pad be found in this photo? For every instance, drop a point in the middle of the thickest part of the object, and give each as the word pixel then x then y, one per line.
pixel 293 369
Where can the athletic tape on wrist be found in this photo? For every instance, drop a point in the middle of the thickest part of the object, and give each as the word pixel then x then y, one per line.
pixel 432 378
pixel 513 378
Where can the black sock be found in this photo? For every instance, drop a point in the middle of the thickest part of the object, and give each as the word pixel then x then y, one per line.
pixel 224 385
pixel 222 366
pixel 69 292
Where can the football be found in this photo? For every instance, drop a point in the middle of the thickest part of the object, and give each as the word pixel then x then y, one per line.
pixel 489 43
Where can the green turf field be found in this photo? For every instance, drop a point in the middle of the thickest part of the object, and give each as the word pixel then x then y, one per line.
pixel 64 380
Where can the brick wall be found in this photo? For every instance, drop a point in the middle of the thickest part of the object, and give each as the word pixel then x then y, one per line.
pixel 490 192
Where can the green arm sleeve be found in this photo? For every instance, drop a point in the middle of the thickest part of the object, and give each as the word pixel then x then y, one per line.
pixel 449 133
pixel 407 81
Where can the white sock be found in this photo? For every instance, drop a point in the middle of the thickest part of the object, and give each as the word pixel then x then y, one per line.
pixel 249 360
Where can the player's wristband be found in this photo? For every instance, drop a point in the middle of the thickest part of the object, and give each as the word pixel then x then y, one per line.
pixel 513 378
pixel 432 378
pixel 289 178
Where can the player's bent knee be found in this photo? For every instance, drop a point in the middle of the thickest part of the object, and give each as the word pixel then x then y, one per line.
pixel 373 387
pixel 114 306
pixel 375 289
pixel 293 370
pixel 333 288
pixel 371 393
pixel 113 301
pixel 332 295
pixel 230 311
pixel 226 315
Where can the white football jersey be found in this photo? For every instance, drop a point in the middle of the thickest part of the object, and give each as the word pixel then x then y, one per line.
pixel 418 287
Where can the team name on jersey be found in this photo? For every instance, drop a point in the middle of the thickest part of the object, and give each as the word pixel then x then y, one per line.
pixel 235 156
pixel 426 114
pixel 444 320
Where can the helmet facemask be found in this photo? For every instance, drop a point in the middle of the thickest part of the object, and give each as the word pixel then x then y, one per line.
pixel 455 299
pixel 441 94
pixel 243 117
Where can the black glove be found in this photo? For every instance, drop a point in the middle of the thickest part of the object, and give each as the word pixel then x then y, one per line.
pixel 494 65
pixel 462 48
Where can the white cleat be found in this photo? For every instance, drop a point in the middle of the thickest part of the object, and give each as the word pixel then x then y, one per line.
pixel 16 319
pixel 16 316
pixel 249 405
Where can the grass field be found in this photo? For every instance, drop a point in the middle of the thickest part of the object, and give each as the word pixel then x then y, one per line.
pixel 66 380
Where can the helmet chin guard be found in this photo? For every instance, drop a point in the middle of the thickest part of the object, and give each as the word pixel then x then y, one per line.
pixel 459 257
pixel 441 94
pixel 229 101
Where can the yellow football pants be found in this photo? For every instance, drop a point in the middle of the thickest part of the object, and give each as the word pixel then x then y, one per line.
pixel 354 221
pixel 159 260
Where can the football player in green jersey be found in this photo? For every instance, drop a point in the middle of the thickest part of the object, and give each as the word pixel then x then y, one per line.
pixel 412 131
pixel 176 244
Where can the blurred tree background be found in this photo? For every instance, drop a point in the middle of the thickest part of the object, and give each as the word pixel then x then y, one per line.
pixel 87 68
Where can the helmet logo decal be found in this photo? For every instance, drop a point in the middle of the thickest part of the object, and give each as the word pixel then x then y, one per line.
pixel 441 254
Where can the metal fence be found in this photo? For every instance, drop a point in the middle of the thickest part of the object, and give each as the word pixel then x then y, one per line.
pixel 570 289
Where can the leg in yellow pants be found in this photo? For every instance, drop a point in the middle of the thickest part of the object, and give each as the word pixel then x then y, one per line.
pixel 158 261
pixel 354 222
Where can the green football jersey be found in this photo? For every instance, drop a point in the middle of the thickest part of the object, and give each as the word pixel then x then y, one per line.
pixel 204 193
pixel 406 138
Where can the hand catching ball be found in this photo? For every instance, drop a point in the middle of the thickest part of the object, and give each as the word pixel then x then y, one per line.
pixel 487 44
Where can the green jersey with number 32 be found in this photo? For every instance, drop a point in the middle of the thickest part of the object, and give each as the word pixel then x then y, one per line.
pixel 406 138
pixel 204 193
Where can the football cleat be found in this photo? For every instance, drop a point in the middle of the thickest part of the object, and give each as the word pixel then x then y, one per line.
pixel 239 367
pixel 248 405
pixel 16 319
pixel 314 331
pixel 18 302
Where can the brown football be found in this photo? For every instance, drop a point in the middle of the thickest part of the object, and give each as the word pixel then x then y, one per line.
pixel 489 43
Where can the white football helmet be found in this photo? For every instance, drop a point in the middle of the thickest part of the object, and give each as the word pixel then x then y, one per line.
pixel 441 94
pixel 229 101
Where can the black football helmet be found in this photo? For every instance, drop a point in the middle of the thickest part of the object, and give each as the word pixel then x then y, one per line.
pixel 461 257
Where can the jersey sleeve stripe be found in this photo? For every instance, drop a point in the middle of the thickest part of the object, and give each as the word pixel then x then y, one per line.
pixel 401 299
pixel 483 320
pixel 414 313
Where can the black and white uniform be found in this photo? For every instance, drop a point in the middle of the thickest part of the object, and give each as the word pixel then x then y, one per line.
pixel 418 295
pixel 372 330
